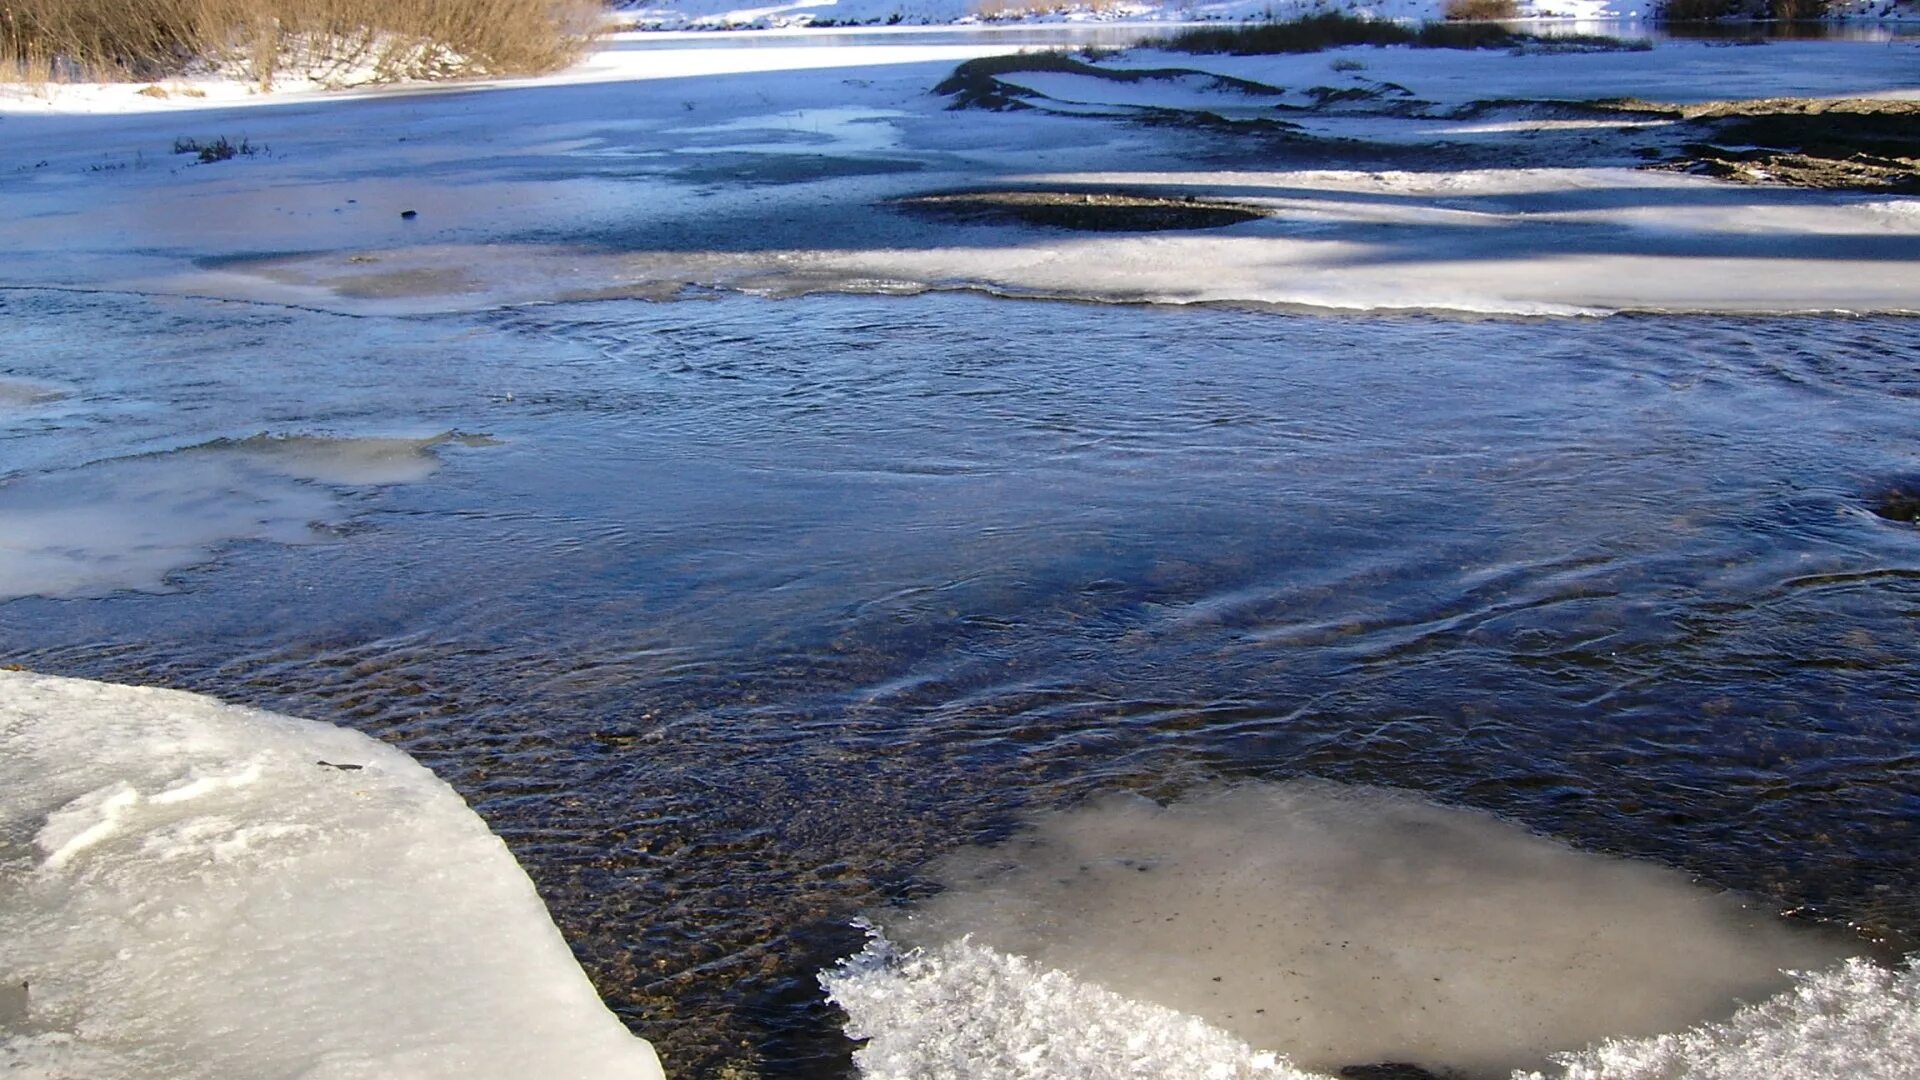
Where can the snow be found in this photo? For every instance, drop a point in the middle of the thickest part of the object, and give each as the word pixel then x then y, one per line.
pixel 191 889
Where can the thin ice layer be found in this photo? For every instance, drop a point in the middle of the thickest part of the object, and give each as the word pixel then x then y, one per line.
pixel 190 889
pixel 127 524
pixel 1350 927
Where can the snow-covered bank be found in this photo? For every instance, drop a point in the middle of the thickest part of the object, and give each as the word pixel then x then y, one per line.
pixel 190 889
pixel 779 169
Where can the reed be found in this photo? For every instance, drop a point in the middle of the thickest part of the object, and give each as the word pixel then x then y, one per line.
pixel 361 40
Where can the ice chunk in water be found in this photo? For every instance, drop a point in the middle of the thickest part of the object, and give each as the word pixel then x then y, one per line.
pixel 191 892
pixel 1348 927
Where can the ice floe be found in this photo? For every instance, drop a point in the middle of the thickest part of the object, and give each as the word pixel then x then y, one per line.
pixel 191 889
pixel 1328 928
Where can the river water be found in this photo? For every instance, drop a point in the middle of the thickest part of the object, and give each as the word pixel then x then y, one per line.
pixel 733 615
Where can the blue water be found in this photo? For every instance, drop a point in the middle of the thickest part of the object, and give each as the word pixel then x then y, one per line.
pixel 752 608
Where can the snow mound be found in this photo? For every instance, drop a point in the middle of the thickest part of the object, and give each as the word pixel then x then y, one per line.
pixel 194 890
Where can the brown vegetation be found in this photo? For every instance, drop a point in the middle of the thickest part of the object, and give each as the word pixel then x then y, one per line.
pixel 1857 144
pixel 1481 10
pixel 373 39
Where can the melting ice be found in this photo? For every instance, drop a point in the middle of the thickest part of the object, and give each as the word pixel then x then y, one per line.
pixel 1330 928
pixel 128 523
pixel 193 890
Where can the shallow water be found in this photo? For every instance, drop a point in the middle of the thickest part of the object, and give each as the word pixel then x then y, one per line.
pixel 744 611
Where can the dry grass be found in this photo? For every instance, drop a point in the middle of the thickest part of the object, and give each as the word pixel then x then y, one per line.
pixel 69 40
pixel 1481 10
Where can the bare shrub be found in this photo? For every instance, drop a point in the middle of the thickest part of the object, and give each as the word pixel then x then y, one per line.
pixel 1697 10
pixel 1481 10
pixel 377 39
pixel 999 10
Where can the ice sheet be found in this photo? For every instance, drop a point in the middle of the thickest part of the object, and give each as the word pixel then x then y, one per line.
pixel 1343 927
pixel 190 889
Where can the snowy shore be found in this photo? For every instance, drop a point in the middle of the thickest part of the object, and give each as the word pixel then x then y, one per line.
pixel 1383 178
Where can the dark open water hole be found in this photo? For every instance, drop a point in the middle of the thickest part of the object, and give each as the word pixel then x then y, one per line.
pixel 756 607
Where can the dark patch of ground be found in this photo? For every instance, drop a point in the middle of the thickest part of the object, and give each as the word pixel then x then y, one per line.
pixel 1086 211
pixel 1848 144
pixel 1862 145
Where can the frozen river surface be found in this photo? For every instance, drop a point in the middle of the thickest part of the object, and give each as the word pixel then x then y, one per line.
pixel 730 615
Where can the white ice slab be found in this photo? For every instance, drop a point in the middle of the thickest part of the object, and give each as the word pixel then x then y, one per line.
pixel 194 890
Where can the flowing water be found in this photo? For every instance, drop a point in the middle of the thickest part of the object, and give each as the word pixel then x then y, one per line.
pixel 733 616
